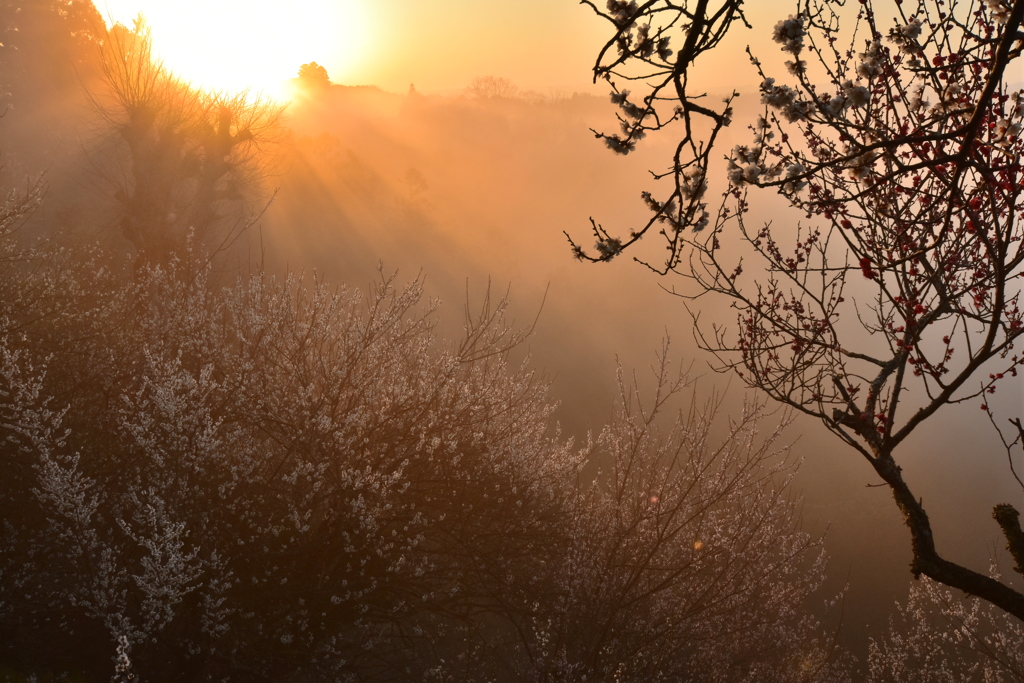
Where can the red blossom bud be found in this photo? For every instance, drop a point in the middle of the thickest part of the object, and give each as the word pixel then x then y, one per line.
pixel 865 267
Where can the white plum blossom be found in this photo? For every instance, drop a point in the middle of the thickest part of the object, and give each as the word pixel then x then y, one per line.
pixel 664 52
pixel 702 219
pixel 905 37
pixel 856 95
pixel 833 107
pixel 917 102
pixel 950 98
pixel 338 403
pixel 776 96
pixel 941 635
pixel 1005 129
pixel 643 41
pixel 609 247
pixel 763 133
pixel 793 171
pixel 790 34
pixel 694 183
pixel 745 166
pixel 912 30
pixel 797 111
pixel 860 167
pixel 746 155
pixel 999 9
pixel 364 462
pixel 785 100
pixel 122 662
pixel 621 98
pixel 621 10
pixel 871 61
pixel 619 145
pixel 669 496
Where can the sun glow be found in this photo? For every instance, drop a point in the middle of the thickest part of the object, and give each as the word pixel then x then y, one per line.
pixel 256 45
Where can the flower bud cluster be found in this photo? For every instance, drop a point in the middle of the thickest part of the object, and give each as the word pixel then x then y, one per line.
pixel 632 131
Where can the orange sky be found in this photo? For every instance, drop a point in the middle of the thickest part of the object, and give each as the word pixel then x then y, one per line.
pixel 439 45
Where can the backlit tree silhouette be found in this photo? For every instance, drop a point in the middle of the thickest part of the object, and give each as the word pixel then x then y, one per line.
pixel 899 142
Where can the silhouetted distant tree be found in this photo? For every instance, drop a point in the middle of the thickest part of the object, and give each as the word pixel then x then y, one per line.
pixel 491 87
pixel 43 46
pixel 313 76
pixel 49 49
pixel 900 143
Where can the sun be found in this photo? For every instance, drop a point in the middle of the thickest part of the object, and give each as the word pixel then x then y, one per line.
pixel 257 45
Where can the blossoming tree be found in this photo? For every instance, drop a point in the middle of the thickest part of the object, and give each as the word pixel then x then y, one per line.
pixel 276 480
pixel 899 142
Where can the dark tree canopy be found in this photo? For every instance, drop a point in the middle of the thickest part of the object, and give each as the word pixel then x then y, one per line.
pixel 49 52
pixel 43 42
pixel 313 76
